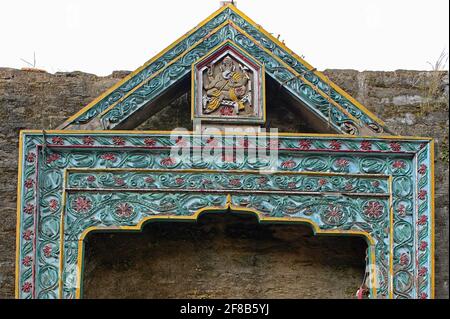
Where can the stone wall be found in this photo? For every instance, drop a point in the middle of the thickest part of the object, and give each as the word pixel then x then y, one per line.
pixel 410 102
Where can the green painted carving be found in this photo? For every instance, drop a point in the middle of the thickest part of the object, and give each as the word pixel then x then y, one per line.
pixel 229 24
pixel 72 182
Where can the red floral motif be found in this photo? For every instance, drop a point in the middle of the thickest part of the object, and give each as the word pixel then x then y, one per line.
pixel 26 287
pixel 26 261
pixel 373 209
pixel 109 157
pixel 423 271
pixel 119 141
pixel 57 140
pixel 168 161
pixel 399 165
pixel 423 245
pixel 404 259
pixel 395 146
pixel 401 209
pixel 423 295
pixel 47 251
pixel 366 146
pixel 124 210
pixel 235 182
pixel 305 145
pixel 206 182
pixel 31 157
pixel 91 178
pixel 29 183
pixel 423 169
pixel 119 182
pixel 29 208
pixel 179 181
pixel 376 184
pixel 423 194
pixel 342 163
pixel 323 182
pixel 227 111
pixel 288 164
pixel 292 185
pixel 150 142
pixel 335 145
pixel 82 204
pixel 53 204
pixel 149 180
pixel 27 234
pixel 53 157
pixel 348 187
pixel 263 180
pixel 423 220
pixel 334 214
pixel 88 140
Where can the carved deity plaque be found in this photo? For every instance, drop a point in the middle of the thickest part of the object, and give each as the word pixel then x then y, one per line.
pixel 228 88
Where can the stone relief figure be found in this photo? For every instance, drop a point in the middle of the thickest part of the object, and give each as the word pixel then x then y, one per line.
pixel 227 85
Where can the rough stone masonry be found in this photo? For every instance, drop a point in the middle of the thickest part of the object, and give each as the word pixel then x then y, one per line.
pixel 240 258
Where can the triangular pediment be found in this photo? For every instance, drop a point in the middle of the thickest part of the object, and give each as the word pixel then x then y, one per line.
pixel 156 83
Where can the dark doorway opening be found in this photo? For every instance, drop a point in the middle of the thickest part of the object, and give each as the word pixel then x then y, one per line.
pixel 223 256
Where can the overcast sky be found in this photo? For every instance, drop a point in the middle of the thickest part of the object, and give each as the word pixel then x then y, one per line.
pixel 100 36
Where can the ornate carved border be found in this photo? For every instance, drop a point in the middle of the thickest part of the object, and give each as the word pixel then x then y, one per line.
pixel 389 199
pixel 320 95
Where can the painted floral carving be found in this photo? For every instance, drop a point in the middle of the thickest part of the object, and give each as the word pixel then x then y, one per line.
pixel 366 146
pixel 31 157
pixel 373 210
pixel 26 261
pixel 27 235
pixel 423 220
pixel 423 194
pixel 53 204
pixel 124 210
pixel 57 140
pixel 288 164
pixel 395 146
pixel 423 245
pixel 29 209
pixel 150 142
pixel 109 157
pixel 53 157
pixel 47 251
pixel 88 141
pixel 335 145
pixel 333 215
pixel 26 287
pixel 82 204
pixel 118 141
pixel 422 169
pixel 168 161
pixel 305 144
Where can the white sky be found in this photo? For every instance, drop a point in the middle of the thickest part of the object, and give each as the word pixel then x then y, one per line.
pixel 100 36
